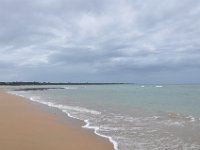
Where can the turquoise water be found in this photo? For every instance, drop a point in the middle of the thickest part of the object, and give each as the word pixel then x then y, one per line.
pixel 146 117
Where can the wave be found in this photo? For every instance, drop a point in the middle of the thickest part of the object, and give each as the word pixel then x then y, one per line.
pixel 66 109
pixel 192 119
pixel 127 131
pixel 159 86
pixel 96 129
pixel 177 116
pixel 70 88
pixel 74 88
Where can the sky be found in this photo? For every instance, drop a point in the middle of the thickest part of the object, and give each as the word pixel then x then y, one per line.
pixel 138 41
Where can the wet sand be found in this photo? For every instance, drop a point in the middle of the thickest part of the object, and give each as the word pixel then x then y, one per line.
pixel 24 126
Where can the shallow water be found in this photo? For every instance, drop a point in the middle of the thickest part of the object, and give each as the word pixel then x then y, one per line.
pixel 133 117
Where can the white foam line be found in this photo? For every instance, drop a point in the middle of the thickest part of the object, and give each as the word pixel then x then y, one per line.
pixel 158 86
pixel 69 115
pixel 16 94
pixel 87 123
pixel 74 87
pixel 192 119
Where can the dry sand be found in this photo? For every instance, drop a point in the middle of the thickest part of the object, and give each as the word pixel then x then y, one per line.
pixel 26 127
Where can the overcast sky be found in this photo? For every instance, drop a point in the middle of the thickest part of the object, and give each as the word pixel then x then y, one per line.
pixel 142 41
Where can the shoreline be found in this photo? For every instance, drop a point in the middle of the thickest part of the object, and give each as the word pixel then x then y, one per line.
pixel 24 126
pixel 67 117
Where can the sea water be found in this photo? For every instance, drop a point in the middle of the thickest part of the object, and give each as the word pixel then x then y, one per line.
pixel 131 116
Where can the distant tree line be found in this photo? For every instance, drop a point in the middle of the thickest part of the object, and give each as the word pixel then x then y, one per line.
pixel 51 83
pixel 26 83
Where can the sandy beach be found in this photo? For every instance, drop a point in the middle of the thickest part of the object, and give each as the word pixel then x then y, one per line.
pixel 24 126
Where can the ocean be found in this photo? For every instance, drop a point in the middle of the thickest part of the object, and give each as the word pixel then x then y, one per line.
pixel 131 116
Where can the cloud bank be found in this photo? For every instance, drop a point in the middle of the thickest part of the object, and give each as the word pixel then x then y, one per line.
pixel 100 41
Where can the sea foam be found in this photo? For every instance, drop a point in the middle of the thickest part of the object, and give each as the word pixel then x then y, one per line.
pixel 66 109
pixel 159 86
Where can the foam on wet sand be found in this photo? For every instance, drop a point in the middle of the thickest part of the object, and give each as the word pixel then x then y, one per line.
pixel 24 126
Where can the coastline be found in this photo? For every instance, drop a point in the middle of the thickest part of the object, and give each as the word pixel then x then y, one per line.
pixel 25 126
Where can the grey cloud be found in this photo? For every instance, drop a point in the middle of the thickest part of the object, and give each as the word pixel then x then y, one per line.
pixel 100 40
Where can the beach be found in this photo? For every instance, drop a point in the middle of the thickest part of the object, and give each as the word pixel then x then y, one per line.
pixel 24 126
pixel 100 117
